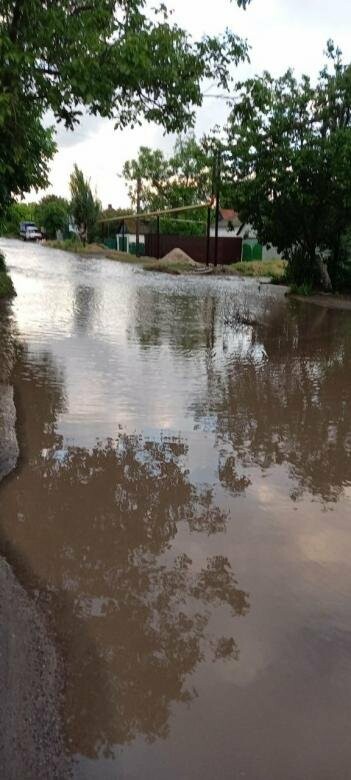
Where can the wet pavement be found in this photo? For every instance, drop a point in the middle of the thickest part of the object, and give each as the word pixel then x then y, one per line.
pixel 179 520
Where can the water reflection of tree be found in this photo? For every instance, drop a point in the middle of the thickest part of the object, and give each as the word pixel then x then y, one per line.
pixel 292 407
pixel 85 305
pixel 184 321
pixel 91 536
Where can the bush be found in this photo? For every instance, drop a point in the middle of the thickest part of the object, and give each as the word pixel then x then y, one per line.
pixel 300 270
pixel 178 227
pixel 16 213
pixel 73 244
pixel 52 214
pixel 302 289
pixel 6 286
pixel 341 276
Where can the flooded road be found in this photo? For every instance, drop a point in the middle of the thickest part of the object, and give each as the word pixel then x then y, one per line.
pixel 181 519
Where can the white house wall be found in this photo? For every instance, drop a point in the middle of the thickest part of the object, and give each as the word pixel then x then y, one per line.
pixel 223 232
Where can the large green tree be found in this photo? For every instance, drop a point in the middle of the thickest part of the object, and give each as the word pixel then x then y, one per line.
pixel 52 214
pixel 182 179
pixel 15 214
pixel 117 58
pixel 85 207
pixel 288 161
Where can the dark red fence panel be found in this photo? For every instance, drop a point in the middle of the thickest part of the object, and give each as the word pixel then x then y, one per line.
pixel 229 249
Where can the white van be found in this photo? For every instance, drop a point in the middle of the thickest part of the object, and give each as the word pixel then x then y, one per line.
pixel 30 232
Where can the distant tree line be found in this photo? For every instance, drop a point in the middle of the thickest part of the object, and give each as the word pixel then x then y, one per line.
pixel 55 214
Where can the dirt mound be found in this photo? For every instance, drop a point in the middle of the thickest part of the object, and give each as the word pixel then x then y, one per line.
pixel 178 256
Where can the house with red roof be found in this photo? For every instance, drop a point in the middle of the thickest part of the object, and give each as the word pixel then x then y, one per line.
pixel 230 225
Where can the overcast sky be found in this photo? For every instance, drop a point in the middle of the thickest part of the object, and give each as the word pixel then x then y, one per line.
pixel 281 33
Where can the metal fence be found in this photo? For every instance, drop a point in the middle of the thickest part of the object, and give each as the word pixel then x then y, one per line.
pixel 229 249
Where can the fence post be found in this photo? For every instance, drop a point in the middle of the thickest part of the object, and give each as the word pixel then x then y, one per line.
pixel 218 189
pixel 158 237
pixel 137 219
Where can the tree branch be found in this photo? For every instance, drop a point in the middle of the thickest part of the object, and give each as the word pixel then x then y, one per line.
pixel 16 20
pixel 81 8
pixel 49 71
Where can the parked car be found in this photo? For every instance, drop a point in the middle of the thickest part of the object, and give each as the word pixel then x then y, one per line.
pixel 30 232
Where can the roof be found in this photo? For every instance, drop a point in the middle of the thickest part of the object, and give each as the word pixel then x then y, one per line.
pixel 229 215
pixel 130 225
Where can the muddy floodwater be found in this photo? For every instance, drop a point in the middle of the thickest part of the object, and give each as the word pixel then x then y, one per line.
pixel 180 520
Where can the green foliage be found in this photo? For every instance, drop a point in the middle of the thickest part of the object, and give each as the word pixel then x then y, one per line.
pixel 304 289
pixel 300 270
pixel 104 230
pixel 182 227
pixel 119 59
pixel 26 147
pixel 183 179
pixel 287 160
pixel 16 213
pixel 6 287
pixel 52 214
pixel 342 279
pixel 275 269
pixel 73 244
pixel 85 207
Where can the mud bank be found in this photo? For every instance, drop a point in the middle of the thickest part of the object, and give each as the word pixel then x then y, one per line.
pixel 8 440
pixel 327 301
pixel 31 733
pixel 31 742
pixel 31 737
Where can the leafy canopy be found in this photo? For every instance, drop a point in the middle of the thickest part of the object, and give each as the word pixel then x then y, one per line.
pixel 16 213
pixel 114 57
pixel 288 160
pixel 183 179
pixel 52 214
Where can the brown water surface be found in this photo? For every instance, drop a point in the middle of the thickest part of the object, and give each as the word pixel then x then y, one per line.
pixel 181 517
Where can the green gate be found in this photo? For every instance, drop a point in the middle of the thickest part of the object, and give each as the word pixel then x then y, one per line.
pixel 252 252
pixel 247 253
pixel 257 252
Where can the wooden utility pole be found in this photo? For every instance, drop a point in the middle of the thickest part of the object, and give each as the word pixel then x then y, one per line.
pixel 138 199
pixel 158 236
pixel 218 193
pixel 208 235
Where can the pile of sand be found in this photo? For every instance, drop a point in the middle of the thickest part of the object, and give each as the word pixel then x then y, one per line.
pixel 178 256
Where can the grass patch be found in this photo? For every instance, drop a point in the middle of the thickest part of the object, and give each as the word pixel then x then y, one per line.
pixel 301 289
pixel 275 269
pixel 96 250
pixel 99 250
pixel 68 245
pixel 175 268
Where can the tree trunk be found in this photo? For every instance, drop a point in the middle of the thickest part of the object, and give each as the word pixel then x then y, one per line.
pixel 324 273
pixel 83 233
